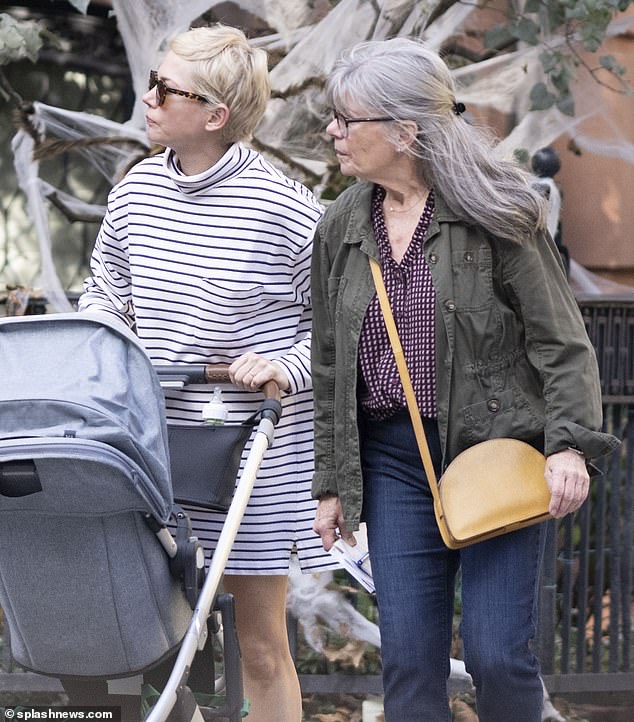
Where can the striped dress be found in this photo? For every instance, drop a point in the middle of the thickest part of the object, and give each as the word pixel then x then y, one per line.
pixel 206 268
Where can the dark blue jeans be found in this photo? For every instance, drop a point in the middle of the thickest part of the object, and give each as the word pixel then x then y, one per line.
pixel 415 575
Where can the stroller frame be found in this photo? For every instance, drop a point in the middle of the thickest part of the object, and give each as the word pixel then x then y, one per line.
pixel 22 451
pixel 177 700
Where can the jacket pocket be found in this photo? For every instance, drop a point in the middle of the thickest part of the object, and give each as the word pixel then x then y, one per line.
pixel 472 281
pixel 505 413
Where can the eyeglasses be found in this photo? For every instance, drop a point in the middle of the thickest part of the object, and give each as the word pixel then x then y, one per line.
pixel 343 122
pixel 162 90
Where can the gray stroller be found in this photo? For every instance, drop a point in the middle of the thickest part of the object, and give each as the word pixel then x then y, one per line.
pixel 93 583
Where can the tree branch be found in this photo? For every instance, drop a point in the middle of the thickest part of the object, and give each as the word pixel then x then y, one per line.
pixel 84 63
pixel 71 215
pixel 593 72
pixel 311 176
pixel 9 91
pixel 48 148
pixel 312 81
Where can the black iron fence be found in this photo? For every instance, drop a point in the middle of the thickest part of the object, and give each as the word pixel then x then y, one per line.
pixel 586 605
pixel 610 325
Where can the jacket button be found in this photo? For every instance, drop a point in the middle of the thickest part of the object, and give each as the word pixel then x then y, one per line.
pixel 493 405
pixel 450 306
pixel 468 256
pixel 433 258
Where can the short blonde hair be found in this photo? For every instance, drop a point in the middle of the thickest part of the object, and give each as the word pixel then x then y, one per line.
pixel 227 69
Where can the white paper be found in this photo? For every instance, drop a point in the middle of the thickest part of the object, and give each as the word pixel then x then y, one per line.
pixel 356 561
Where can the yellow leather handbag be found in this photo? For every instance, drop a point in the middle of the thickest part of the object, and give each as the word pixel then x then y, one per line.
pixel 491 488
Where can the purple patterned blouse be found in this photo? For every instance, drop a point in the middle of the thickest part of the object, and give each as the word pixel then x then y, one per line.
pixel 412 298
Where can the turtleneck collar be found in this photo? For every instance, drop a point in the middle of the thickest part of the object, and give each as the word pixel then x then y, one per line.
pixel 230 165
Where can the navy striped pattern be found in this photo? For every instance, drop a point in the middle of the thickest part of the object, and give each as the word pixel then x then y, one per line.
pixel 205 268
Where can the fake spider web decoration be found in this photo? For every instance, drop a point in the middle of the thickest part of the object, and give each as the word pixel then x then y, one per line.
pixel 292 130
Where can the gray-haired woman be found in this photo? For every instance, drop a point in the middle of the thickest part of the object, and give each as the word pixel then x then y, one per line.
pixel 495 345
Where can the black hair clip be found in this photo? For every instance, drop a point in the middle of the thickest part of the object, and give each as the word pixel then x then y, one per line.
pixel 458 108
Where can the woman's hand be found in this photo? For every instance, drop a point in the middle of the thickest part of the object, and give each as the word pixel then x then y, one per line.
pixel 251 372
pixel 568 480
pixel 329 519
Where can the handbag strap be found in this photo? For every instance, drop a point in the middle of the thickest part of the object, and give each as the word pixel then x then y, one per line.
pixel 410 396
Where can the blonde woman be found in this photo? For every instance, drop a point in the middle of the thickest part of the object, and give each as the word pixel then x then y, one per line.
pixel 205 251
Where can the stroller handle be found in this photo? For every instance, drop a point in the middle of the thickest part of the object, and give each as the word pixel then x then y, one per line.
pixel 180 375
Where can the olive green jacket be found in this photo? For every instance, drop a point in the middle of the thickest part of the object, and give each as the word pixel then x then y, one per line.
pixel 512 355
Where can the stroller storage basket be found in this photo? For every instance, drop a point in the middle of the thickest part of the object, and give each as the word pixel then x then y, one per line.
pixel 205 461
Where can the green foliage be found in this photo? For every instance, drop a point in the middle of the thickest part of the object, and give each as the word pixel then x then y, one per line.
pixel 541 97
pixel 526 30
pixel 522 156
pixel 23 39
pixel 498 36
pixel 609 63
pixel 583 25
pixel 19 40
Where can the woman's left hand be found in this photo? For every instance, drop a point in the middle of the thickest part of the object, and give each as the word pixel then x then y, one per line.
pixel 329 522
pixel 251 371
pixel 568 480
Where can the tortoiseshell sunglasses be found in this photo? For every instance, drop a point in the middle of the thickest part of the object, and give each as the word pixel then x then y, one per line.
pixel 162 90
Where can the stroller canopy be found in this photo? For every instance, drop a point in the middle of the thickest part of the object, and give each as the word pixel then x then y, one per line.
pixel 82 376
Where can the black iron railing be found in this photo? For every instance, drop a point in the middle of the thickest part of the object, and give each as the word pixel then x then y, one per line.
pixel 586 605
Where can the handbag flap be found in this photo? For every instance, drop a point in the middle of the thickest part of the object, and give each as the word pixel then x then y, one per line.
pixel 492 487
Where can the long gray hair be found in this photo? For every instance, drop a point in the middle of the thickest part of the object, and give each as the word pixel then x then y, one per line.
pixel 402 79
